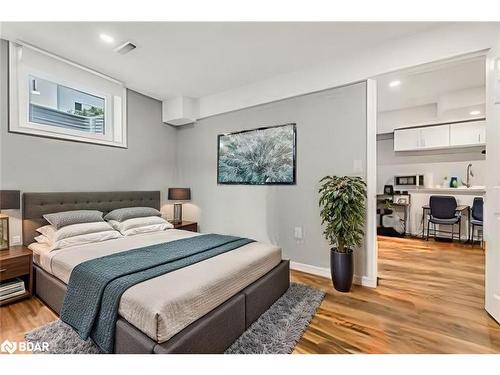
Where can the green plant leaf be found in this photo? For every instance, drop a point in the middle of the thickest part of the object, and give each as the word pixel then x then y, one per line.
pixel 342 210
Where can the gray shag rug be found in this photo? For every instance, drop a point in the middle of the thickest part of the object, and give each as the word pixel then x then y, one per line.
pixel 62 339
pixel 277 331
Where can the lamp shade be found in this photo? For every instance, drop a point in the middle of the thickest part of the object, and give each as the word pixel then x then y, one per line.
pixel 179 194
pixel 10 199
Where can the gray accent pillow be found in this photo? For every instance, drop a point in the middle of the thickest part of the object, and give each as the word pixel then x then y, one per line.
pixel 61 219
pixel 122 214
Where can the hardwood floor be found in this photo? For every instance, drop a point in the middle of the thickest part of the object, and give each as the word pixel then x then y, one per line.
pixel 430 299
pixel 20 317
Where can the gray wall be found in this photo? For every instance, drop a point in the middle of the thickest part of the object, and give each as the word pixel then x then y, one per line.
pixel 331 134
pixel 32 163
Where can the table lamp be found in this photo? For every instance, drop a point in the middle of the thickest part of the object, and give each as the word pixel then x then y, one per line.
pixel 178 194
pixel 9 200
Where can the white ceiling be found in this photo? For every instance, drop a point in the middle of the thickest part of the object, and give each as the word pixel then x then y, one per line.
pixel 199 59
pixel 424 85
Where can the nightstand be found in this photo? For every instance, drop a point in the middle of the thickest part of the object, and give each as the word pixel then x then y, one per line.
pixel 17 262
pixel 191 226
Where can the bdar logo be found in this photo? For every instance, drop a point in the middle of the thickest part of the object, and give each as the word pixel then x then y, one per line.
pixel 8 346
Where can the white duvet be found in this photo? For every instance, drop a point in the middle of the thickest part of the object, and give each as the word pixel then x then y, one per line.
pixel 163 306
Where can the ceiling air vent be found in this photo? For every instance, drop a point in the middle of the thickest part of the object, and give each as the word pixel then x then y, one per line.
pixel 125 48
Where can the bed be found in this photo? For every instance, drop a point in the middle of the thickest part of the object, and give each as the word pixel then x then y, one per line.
pixel 201 308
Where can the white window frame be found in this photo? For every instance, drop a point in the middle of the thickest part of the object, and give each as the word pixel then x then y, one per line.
pixel 115 129
pixel 63 131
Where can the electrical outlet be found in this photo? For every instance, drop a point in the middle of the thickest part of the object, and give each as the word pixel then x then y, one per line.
pixel 16 240
pixel 298 233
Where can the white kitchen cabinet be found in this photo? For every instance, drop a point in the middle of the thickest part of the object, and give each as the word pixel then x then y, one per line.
pixel 468 134
pixel 425 138
pixel 432 137
pixel 465 134
pixel 406 139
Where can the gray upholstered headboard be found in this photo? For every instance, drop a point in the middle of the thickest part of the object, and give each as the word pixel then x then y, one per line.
pixel 35 205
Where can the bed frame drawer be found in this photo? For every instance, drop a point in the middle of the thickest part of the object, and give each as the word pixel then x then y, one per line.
pixel 261 294
pixel 10 268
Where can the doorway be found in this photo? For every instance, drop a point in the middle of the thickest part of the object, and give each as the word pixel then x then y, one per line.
pixel 431 142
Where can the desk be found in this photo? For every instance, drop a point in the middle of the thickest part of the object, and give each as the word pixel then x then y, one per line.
pixel 460 208
pixel 404 205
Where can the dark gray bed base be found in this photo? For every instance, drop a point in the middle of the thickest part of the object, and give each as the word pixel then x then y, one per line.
pixel 213 333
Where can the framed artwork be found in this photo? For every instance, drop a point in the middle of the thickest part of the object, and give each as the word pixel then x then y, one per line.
pixel 263 156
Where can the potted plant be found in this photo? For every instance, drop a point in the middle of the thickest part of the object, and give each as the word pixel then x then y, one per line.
pixel 388 207
pixel 342 203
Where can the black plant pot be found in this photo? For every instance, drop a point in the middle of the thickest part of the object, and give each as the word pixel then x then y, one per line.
pixel 342 269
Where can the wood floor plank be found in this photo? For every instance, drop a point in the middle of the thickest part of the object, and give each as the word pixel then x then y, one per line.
pixel 430 299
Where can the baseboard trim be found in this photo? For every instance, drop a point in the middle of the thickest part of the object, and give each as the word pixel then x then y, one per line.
pixel 365 281
pixel 325 272
pixel 307 268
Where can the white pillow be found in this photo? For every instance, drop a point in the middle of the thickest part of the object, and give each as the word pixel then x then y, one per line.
pixel 52 234
pixel 146 229
pixel 39 248
pixel 139 222
pixel 84 239
pixel 42 239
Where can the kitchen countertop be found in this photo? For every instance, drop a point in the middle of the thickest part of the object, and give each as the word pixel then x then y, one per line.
pixel 458 191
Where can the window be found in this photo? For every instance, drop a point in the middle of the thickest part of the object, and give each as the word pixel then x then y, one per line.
pixel 57 105
pixel 53 97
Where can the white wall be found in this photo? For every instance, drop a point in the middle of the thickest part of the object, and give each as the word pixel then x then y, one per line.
pixel 450 107
pixel 68 97
pixel 48 94
pixel 331 135
pixel 442 43
pixel 461 98
pixel 387 121
pixel 38 164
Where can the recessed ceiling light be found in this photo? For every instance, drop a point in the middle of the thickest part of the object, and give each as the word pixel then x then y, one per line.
pixel 106 38
pixel 474 113
pixel 125 48
pixel 394 83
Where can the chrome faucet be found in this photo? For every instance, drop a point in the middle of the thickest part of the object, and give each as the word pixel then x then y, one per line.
pixel 469 175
